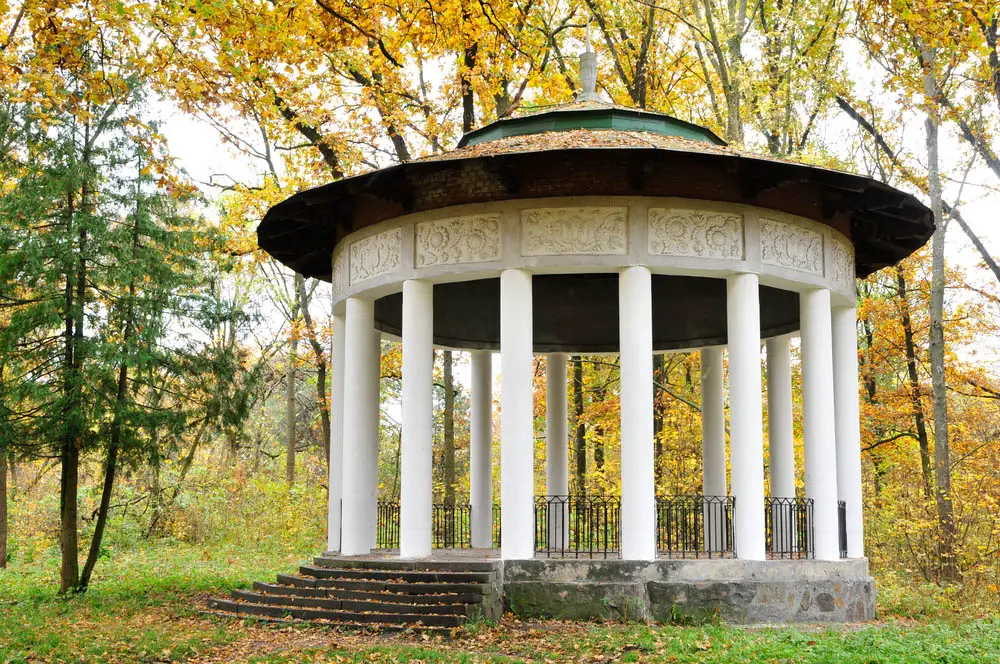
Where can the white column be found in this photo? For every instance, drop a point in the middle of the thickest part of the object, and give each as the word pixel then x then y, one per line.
pixel 818 420
pixel 481 449
pixel 779 418
pixel 517 438
pixel 336 469
pixel 713 445
pixel 416 490
pixel 781 443
pixel 745 416
pixel 556 448
pixel 845 387
pixel 360 426
pixel 638 510
pixel 370 462
pixel 713 423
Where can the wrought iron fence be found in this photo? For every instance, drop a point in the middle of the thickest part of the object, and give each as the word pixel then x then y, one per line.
pixel 578 526
pixel 451 526
pixel 387 525
pixel 590 526
pixel 695 526
pixel 788 527
pixel 842 526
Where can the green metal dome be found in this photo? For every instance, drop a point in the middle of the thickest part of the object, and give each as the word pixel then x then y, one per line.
pixel 590 116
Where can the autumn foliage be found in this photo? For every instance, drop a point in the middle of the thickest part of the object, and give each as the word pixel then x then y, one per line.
pixel 213 373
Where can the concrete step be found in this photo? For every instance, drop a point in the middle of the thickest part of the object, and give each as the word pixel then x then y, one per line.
pixel 392 586
pixel 381 605
pixel 337 616
pixel 399 598
pixel 363 627
pixel 402 575
pixel 410 565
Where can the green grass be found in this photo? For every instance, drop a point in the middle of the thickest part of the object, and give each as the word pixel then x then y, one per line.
pixel 141 608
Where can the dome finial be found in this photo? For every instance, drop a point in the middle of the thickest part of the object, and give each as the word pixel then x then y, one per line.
pixel 588 72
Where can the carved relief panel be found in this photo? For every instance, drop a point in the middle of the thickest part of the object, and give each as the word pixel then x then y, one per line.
pixel 340 274
pixel 843 264
pixel 700 233
pixel 579 230
pixel 792 246
pixel 376 255
pixel 472 239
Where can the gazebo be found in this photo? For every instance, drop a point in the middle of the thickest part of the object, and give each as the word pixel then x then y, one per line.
pixel 592 228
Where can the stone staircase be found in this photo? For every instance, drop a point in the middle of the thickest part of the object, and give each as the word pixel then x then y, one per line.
pixel 385 595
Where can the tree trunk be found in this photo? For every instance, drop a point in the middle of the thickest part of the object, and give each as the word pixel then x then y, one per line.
pixel 3 506
pixel 110 467
pixel 69 575
pixel 871 387
pixel 911 370
pixel 468 96
pixel 121 395
pixel 580 434
pixel 599 430
pixel 319 355
pixel 290 438
pixel 448 463
pixel 939 386
pixel 658 380
pixel 290 379
pixel 155 495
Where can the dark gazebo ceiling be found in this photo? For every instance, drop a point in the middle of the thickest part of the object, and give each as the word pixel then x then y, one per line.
pixel 578 313
pixel 587 152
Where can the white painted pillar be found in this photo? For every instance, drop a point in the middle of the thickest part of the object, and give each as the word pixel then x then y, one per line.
pixel 360 427
pixel 517 436
pixel 713 423
pixel 370 463
pixel 556 448
pixel 416 488
pixel 745 416
pixel 481 449
pixel 713 445
pixel 638 510
pixel 779 418
pixel 818 419
pixel 781 443
pixel 845 386
pixel 336 469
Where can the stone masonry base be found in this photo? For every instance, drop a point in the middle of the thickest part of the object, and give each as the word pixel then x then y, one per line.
pixel 736 591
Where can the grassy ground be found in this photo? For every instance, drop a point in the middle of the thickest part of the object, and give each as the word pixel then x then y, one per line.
pixel 143 608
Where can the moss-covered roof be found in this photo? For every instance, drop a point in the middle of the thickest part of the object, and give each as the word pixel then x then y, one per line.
pixel 590 115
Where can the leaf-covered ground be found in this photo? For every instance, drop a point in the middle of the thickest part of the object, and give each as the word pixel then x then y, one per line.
pixel 144 608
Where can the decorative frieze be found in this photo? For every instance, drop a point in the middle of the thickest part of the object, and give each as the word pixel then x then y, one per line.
pixel 842 255
pixel 699 233
pixel 340 283
pixel 472 239
pixel 574 230
pixel 791 245
pixel 376 255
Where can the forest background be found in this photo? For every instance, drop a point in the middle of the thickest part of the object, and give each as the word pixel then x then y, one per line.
pixel 164 383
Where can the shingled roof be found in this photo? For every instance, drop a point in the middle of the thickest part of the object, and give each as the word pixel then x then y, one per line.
pixel 603 150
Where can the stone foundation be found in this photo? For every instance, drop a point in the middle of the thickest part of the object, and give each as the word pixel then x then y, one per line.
pixel 736 591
